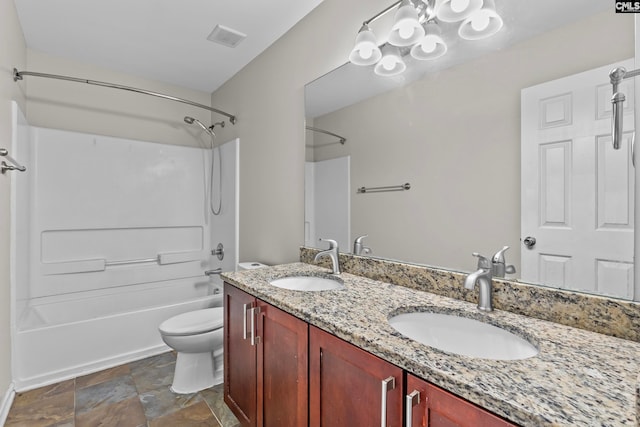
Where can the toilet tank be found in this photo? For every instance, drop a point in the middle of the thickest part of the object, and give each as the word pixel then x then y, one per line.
pixel 250 265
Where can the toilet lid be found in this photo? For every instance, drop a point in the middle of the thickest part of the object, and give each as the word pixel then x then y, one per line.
pixel 193 322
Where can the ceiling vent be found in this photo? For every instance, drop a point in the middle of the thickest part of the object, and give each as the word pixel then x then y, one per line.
pixel 226 36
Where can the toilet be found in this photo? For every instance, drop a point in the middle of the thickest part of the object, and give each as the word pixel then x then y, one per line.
pixel 197 337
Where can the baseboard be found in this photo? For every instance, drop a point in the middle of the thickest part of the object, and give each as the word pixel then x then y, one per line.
pixel 7 401
pixel 31 383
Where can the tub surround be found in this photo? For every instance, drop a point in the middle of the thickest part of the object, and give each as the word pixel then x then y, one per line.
pixel 609 316
pixel 578 376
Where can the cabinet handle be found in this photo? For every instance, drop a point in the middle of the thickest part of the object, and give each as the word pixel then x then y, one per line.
pixel 253 326
pixel 244 320
pixel 388 384
pixel 254 336
pixel 412 400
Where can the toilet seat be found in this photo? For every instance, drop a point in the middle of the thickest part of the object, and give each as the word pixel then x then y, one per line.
pixel 193 322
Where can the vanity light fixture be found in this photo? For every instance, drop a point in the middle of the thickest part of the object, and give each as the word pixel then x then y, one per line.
pixel 417 30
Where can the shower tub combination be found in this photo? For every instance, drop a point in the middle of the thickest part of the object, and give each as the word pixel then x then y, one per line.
pixel 105 250
pixel 79 336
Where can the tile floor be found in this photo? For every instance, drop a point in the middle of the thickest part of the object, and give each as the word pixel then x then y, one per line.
pixel 132 395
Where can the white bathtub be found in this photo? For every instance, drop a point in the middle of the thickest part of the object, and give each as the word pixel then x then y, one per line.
pixel 62 339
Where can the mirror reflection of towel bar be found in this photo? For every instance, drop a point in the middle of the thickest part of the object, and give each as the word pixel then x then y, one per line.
pixel 403 187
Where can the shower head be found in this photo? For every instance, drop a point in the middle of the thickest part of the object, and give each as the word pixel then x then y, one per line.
pixel 191 120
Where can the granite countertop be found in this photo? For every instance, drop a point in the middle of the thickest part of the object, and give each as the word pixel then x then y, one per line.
pixel 579 378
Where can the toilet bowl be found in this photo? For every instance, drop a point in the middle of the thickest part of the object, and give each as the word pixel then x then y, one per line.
pixel 197 337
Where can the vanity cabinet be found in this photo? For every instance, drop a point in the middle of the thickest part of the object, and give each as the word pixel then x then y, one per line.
pixel 350 387
pixel 279 371
pixel 265 359
pixel 428 405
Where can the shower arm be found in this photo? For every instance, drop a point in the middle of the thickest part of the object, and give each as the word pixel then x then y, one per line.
pixel 18 75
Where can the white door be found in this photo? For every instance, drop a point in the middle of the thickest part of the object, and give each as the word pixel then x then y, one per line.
pixel 577 191
pixel 328 203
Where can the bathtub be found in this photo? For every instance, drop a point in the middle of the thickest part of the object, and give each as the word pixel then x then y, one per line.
pixel 65 338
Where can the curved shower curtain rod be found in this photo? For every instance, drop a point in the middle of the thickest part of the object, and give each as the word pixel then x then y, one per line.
pixel 341 139
pixel 18 75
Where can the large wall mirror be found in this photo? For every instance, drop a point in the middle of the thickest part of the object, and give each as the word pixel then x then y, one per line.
pixel 499 140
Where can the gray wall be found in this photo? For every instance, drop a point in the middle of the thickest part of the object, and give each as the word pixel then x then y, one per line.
pixel 268 97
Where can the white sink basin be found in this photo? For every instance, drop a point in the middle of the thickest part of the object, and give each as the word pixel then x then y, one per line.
pixel 463 336
pixel 307 283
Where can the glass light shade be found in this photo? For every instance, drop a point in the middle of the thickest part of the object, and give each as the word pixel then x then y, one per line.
pixel 456 10
pixel 482 23
pixel 391 63
pixel 366 50
pixel 406 29
pixel 432 46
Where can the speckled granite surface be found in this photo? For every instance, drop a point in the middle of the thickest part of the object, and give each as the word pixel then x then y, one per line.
pixel 579 378
pixel 608 316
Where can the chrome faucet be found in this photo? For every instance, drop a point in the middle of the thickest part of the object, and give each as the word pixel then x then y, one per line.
pixel 483 277
pixel 499 266
pixel 359 248
pixel 332 253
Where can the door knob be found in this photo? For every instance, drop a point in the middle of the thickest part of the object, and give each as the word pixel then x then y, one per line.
pixel 529 242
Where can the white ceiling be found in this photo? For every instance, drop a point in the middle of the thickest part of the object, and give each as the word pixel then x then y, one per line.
pixel 164 40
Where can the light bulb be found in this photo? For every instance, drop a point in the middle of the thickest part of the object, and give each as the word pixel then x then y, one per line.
pixel 388 64
pixel 480 21
pixel 459 5
pixel 366 52
pixel 456 10
pixel 481 24
pixel 406 31
pixel 429 44
pixel 391 63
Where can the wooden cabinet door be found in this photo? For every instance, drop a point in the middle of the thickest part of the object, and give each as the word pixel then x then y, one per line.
pixel 439 408
pixel 346 385
pixel 282 368
pixel 239 356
